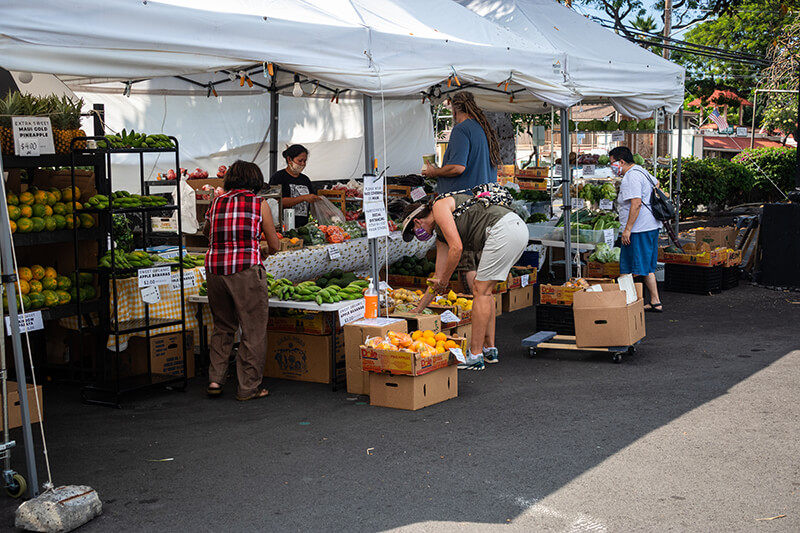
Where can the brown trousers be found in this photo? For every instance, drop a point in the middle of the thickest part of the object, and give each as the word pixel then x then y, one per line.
pixel 239 300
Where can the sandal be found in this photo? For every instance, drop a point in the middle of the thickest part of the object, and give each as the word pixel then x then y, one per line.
pixel 654 308
pixel 260 393
pixel 214 391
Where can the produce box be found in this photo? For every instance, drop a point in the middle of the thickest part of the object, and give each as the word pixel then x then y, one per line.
pixel 521 276
pixel 14 410
pixel 518 298
pixel 734 258
pixel 561 295
pixel 405 362
pixel 602 270
pixel 604 319
pixel 415 282
pixel 299 321
pixel 287 245
pixel 461 330
pixel 355 333
pixel 413 392
pixel 419 321
pixel 303 357
pixel 531 183
pixel 707 258
pixel 164 224
pixel 722 237
pixel 532 172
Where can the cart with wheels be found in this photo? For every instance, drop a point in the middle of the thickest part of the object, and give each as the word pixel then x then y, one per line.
pixel 551 339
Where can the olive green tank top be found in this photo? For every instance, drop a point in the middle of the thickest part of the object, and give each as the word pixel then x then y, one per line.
pixel 474 223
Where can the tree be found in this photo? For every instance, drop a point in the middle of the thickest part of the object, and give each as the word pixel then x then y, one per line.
pixel 782 74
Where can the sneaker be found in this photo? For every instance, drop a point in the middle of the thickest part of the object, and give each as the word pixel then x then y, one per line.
pixel 474 362
pixel 491 355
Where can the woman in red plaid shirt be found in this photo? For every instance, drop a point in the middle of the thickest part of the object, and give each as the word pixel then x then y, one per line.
pixel 237 282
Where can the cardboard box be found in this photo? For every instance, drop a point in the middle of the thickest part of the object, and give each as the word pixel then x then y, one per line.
pixel 407 363
pixel 734 258
pixel 84 180
pixel 604 319
pixel 297 321
pixel 464 331
pixel 531 184
pixel 417 321
pixel 413 392
pixel 199 182
pixel 515 282
pixel 516 299
pixel 602 270
pixel 498 304
pixel 724 237
pixel 560 295
pixel 165 355
pixel 288 246
pixel 532 172
pixel 355 333
pixel 164 224
pixel 408 282
pixel 706 258
pixel 303 357
pixel 14 410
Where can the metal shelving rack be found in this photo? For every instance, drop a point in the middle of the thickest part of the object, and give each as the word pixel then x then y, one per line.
pixel 117 385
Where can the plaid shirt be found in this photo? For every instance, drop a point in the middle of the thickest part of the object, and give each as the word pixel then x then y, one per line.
pixel 235 220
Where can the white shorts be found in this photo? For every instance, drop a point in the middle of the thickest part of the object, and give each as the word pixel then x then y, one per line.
pixel 505 243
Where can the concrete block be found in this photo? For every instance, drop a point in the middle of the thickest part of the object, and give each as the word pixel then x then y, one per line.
pixel 59 510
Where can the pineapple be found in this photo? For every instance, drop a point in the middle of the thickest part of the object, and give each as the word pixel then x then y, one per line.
pixel 11 105
pixel 66 122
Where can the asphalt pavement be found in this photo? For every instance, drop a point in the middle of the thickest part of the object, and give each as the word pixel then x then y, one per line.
pixel 695 432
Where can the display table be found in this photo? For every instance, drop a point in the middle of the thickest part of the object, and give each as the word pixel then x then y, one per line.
pixel 330 312
pixel 314 261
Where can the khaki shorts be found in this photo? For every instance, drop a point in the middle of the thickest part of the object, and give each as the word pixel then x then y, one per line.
pixel 504 246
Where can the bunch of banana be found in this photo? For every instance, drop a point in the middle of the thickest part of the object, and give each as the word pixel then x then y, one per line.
pixel 188 261
pixel 278 288
pixel 131 139
pixel 333 293
pixel 123 260
pixel 98 201
pixel 307 291
pixel 123 199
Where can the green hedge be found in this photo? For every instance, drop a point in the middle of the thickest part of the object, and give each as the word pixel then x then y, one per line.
pixel 708 182
pixel 775 164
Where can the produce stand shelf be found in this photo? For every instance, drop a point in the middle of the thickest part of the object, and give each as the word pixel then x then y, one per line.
pixel 51 237
pixel 70 309
pixel 51 160
pixel 140 324
pixel 550 339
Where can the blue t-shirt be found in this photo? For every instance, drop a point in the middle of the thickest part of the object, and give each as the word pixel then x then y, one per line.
pixel 468 147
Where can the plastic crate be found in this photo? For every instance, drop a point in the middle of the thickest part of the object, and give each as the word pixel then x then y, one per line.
pixel 730 277
pixel 558 318
pixel 693 279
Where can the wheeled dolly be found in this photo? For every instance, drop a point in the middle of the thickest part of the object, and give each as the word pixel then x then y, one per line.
pixel 550 339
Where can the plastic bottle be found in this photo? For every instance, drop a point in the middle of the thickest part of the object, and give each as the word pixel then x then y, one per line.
pixel 371 301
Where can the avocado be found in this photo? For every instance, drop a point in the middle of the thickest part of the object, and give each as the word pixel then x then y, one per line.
pixel 322 282
pixel 337 273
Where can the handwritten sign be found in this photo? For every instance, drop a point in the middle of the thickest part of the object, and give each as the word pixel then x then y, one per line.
pixel 448 317
pixel 202 271
pixel 334 252
pixel 384 286
pixel 608 236
pixel 578 203
pixel 154 276
pixel 417 194
pixel 27 322
pixel 33 136
pixel 557 170
pixel 524 280
pixel 588 170
pixel 617 136
pixel 606 204
pixel 352 312
pixel 189 280
pixel 459 355
pixel 395 235
pixel 150 294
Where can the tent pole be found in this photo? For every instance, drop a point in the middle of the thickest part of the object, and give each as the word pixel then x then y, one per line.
pixel 273 131
pixel 369 168
pixel 566 171
pixel 678 172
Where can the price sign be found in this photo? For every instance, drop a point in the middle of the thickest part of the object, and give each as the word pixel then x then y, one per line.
pixel 578 203
pixel 27 322
pixel 608 236
pixel 154 276
pixel 33 136
pixel 189 280
pixel 334 252
pixel 617 136
pixel 459 355
pixel 606 204
pixel 588 170
pixel 448 317
pixel 418 194
pixel 557 170
pixel 352 312
pixel 524 280
pixel 202 272
pixel 384 286
pixel 169 255
pixel 395 235
pixel 150 294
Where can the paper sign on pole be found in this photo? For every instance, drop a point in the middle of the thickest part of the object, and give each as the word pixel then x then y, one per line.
pixel 352 312
pixel 617 136
pixel 154 276
pixel 373 189
pixel 578 203
pixel 33 136
pixel 377 223
pixel 557 170
pixel 27 322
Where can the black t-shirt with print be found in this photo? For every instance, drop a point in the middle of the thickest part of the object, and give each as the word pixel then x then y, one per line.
pixel 293 187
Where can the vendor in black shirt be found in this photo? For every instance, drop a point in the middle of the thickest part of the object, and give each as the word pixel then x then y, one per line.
pixel 297 188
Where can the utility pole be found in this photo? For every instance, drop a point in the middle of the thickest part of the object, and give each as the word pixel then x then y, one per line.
pixel 667 27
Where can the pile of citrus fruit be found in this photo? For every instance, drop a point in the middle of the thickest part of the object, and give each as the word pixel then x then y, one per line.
pixel 424 342
pixel 46 210
pixel 40 287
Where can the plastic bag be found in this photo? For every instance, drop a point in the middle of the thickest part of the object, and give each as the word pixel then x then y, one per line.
pixel 326 213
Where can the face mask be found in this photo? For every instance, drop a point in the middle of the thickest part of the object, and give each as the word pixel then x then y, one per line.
pixel 422 234
pixel 295 167
pixel 616 168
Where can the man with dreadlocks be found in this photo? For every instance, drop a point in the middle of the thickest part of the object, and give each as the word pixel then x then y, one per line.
pixel 473 152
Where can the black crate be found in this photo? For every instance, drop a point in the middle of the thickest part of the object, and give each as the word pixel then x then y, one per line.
pixel 558 318
pixel 730 277
pixel 693 279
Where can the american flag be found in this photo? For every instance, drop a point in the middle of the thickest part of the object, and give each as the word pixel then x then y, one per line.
pixel 719 120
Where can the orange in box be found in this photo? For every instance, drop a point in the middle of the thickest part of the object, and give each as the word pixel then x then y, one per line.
pixel 556 294
pixel 407 363
pixel 707 258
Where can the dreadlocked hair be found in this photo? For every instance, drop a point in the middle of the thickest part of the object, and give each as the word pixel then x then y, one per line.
pixel 464 102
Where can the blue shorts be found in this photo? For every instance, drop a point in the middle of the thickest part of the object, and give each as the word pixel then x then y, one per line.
pixel 641 255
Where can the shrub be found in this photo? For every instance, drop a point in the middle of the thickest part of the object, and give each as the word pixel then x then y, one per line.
pixel 770 165
pixel 708 182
